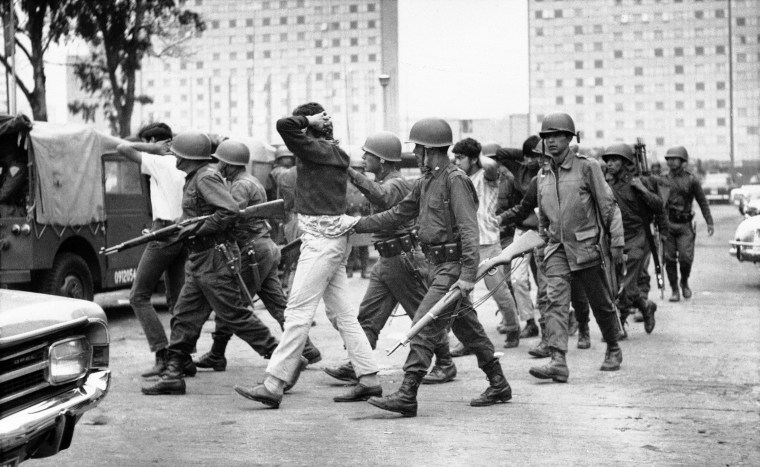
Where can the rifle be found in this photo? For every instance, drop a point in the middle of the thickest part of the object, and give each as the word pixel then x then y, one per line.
pixel 642 167
pixel 232 265
pixel 526 242
pixel 264 211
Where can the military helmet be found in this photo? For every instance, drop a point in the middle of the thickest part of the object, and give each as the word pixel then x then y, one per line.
pixel 539 150
pixel 192 145
pixel 489 149
pixel 678 152
pixel 557 123
pixel 282 151
pixel 431 133
pixel 384 145
pixel 620 149
pixel 233 152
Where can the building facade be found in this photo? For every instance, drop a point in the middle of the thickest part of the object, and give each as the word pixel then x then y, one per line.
pixel 670 71
pixel 257 60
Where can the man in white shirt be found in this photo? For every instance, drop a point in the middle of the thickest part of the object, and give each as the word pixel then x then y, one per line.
pixel 160 256
pixel 485 176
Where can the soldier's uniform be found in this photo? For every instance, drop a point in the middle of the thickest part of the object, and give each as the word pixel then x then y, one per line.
pixel 638 209
pixel 682 188
pixel 209 283
pixel 257 251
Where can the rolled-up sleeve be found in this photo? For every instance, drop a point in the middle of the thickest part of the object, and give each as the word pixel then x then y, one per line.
pixel 464 206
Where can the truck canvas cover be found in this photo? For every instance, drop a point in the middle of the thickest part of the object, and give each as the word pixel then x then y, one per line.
pixel 68 188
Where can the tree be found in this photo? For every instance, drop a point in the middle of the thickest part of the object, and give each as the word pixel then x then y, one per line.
pixel 41 23
pixel 121 33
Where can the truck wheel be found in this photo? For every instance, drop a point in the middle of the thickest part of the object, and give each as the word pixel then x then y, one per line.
pixel 69 277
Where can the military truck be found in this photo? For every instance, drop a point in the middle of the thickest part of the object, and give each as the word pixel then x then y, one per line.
pixel 78 196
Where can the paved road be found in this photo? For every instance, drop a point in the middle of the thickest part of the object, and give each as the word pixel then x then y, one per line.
pixel 687 394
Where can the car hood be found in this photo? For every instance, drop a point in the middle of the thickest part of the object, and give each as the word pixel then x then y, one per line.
pixel 25 312
pixel 748 227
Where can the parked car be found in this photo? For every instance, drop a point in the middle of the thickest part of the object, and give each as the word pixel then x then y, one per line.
pixel 746 243
pixel 54 355
pixel 745 194
pixel 718 186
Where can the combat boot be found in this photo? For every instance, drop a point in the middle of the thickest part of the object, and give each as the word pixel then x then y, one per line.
pixel 584 339
pixel 442 372
pixel 530 330
pixel 158 367
pixel 171 382
pixel 513 339
pixel 344 372
pixel 542 349
pixel 556 369
pixel 213 361
pixel 498 391
pixel 676 295
pixel 649 317
pixel 612 358
pixel 685 288
pixel 403 401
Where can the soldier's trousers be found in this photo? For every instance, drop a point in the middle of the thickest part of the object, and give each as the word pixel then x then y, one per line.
pixel 465 325
pixel 210 285
pixel 391 283
pixel 559 283
pixel 678 247
pixel 267 256
pixel 636 250
pixel 577 293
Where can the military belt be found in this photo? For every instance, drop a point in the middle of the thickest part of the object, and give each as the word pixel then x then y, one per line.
pixel 395 246
pixel 200 244
pixel 442 253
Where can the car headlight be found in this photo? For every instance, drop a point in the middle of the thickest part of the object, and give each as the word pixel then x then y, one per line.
pixel 69 360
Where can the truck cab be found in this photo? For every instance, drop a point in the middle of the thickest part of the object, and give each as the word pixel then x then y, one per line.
pixel 80 197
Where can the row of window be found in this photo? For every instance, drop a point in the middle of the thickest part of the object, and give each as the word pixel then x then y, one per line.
pixel 284 4
pixel 353 58
pixel 285 20
pixel 639 88
pixel 641 106
pixel 695 34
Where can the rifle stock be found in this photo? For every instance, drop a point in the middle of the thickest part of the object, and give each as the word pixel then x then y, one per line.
pixel 271 209
pixel 526 242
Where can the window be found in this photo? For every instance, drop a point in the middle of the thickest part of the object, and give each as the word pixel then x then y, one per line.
pixel 579 99
pixel 122 177
pixel 720 103
pixel 335 25
pixel 578 46
pixel 720 85
pixel 300 19
pixel 638 89
pixel 266 38
pixel 578 30
pixel 658 52
pixel 659 141
pixel 354 41
pixel 598 46
pixel 741 22
pixel 700 86
pixel 371 7
pixel 699 14
pixel 618 54
pixel 266 21
pixel 354 58
pixel 283 37
pixel 318 76
pixel 336 76
pixel 353 8
pixel 579 82
pixel 720 49
pixel 558 83
pixel 679 87
pixel 336 42
pixel 618 89
pixel 353 25
pixel 598 81
pixel 198 65
pixel 539 14
pixel 559 100
pixel 721 121
pixel 699 50
pixel 318 44
pixel 659 105
pixel 720 13
pixel 233 23
pixel 638 71
pixel 539 31
pixel 233 56
pixel 700 122
pixel 598 64
pixel 249 55
pixel 619 107
pixel 700 104
pixel 558 13
pixel 371 24
pixel 679 69
pixel 679 122
pixel 579 64
pixel 679 105
pixel 599 134
pixel 372 57
pixel 283 20
pixel 267 54
pixel 336 59
pixel 215 24
pixel 318 60
pixel 301 36
pixel 599 99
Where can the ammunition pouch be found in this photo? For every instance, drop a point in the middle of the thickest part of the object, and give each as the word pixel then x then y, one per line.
pixel 395 246
pixel 200 244
pixel 680 217
pixel 443 253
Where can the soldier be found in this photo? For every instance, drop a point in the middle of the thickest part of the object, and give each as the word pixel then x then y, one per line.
pixel 484 174
pixel 283 160
pixel 445 203
pixel 400 274
pixel 259 254
pixel 683 187
pixel 357 205
pixel 575 205
pixel 166 256
pixel 209 283
pixel 321 273
pixel 638 203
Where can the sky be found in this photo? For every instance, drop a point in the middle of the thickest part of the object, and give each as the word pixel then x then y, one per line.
pixel 463 58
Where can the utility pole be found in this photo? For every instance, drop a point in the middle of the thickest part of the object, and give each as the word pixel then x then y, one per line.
pixel 731 88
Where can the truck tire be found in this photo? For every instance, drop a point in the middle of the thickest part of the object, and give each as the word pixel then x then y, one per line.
pixel 69 277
